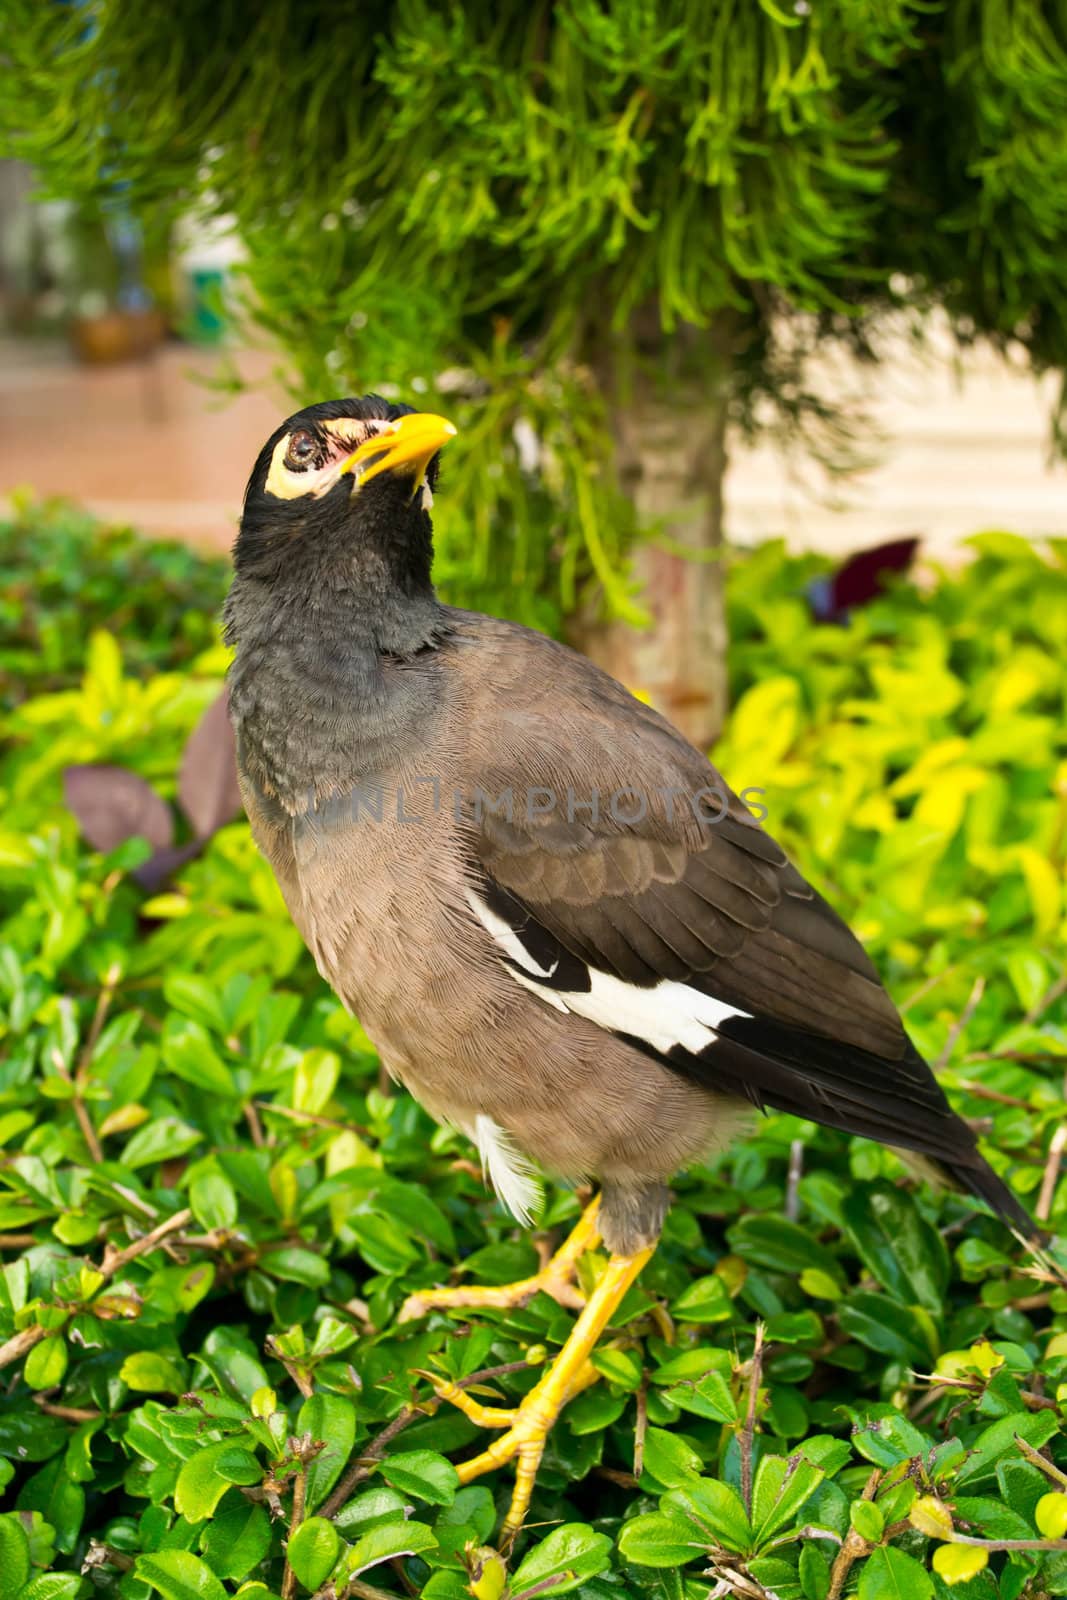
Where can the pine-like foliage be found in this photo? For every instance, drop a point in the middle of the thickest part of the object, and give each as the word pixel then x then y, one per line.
pixel 507 190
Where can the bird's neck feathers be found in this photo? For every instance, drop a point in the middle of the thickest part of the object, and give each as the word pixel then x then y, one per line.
pixel 332 673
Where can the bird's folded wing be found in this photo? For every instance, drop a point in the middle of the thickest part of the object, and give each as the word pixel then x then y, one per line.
pixel 696 940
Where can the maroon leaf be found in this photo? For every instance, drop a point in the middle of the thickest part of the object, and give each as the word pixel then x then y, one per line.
pixel 207 780
pixel 860 579
pixel 151 873
pixel 113 805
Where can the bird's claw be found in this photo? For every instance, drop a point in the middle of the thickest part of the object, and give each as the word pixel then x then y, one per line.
pixel 556 1278
pixel 527 1428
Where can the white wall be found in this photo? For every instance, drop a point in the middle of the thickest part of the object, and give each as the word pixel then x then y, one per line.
pixel 967 446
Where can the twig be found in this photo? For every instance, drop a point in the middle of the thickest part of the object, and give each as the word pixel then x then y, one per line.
pixel 366 1591
pixel 1036 1459
pixel 548 1584
pixel 397 1564
pixel 114 1262
pixel 748 1432
pixel 300 1483
pixel 973 1001
pixel 980 1092
pixel 66 1413
pixel 1052 1172
pixel 255 1127
pixel 625 1480
pixel 85 1061
pixel 20 1344
pixel 930 983
pixel 85 1122
pixel 855 1544
pixel 792 1187
pixel 17 1241
pixel 1026 1058
pixel 102 1555
pixel 975 1386
pixel 640 1427
pixel 308 1116
pixel 1010 1544
pixel 96 1027
pixel 369 1457
pixel 1049 998
pixel 364 1464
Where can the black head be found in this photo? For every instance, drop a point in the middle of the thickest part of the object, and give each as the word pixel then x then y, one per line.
pixel 341 493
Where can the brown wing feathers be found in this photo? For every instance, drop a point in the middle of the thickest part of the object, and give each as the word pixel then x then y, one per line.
pixel 791 1007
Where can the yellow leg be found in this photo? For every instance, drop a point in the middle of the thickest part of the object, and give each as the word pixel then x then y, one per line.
pixel 529 1423
pixel 555 1278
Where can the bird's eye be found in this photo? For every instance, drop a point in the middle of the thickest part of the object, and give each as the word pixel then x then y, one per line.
pixel 304 451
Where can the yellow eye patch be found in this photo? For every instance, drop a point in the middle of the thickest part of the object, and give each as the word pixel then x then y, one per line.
pixel 342 434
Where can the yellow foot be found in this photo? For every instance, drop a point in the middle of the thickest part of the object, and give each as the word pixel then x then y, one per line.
pixel 555 1278
pixel 527 1425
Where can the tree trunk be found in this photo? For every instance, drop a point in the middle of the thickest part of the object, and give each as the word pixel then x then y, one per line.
pixel 670 433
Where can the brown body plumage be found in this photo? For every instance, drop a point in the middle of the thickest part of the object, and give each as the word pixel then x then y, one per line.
pixel 561 930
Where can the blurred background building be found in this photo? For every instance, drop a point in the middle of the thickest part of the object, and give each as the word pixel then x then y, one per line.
pixel 123 385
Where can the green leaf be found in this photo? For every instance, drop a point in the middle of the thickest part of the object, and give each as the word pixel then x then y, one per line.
pixel 620 1367
pixel 867 1519
pixel 992 1519
pixel 906 1333
pixel 313 1550
pixel 595 1410
pixel 316 1079
pixel 714 1509
pixel 890 1574
pixel 710 1396
pixel 422 1473
pixel 295 1265
pixel 669 1459
pixel 896 1245
pixel 179 1575
pixel 998 1439
pixel 57 1501
pixel 190 1053
pixel 781 1487
pixel 882 1436
pixel 231 1360
pixel 206 1476
pixel 51 1586
pixel 705 1300
pixel 776 1576
pixel 151 1372
pixel 391 1539
pixel 14 1557
pixel 569 1556
pixel 370 1509
pixel 46 1363
pixel 656 1539
pixel 213 1200
pixel 237 1538
pixel 814 1570
pixel 199 999
pixel 162 1139
pixel 781 1246
pixel 331 1419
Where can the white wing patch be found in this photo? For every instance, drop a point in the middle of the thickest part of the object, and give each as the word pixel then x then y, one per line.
pixel 511 1173
pixel 667 1014
pixel 506 937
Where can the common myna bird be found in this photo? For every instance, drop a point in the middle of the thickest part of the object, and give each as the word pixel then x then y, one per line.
pixel 564 933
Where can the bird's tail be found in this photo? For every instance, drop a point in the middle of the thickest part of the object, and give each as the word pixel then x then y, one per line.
pixel 980 1180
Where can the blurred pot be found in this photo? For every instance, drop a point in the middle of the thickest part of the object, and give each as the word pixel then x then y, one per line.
pixel 116 335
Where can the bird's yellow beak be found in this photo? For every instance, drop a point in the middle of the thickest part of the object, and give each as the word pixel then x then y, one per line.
pixel 410 443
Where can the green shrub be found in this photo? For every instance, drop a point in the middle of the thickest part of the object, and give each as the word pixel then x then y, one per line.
pixel 211 1208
